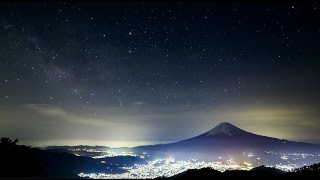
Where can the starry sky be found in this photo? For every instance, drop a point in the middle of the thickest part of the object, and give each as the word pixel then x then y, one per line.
pixel 127 74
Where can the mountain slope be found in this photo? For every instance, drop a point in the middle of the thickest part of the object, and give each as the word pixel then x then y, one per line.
pixel 19 161
pixel 227 138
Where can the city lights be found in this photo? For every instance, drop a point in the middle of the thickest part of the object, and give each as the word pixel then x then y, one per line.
pixel 163 168
pixel 170 166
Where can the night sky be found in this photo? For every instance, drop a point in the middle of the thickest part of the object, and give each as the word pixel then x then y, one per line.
pixel 136 73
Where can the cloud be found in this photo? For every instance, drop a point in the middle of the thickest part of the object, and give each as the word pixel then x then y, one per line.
pixel 293 123
pixel 290 122
pixel 134 125
pixel 138 103
pixel 60 114
pixel 103 125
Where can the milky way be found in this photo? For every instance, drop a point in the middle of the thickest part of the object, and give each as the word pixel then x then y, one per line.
pixel 137 73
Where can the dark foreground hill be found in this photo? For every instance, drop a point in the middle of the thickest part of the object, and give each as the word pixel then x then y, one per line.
pixel 261 172
pixel 207 173
pixel 17 161
pixel 306 171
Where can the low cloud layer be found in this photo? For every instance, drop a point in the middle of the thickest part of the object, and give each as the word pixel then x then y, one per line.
pixel 48 124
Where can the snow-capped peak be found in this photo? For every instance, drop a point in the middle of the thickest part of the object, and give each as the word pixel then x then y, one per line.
pixel 226 129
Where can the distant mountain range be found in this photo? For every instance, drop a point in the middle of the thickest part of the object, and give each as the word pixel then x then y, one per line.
pixel 224 140
pixel 227 139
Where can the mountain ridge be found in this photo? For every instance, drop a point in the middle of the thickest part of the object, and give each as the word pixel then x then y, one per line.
pixel 227 138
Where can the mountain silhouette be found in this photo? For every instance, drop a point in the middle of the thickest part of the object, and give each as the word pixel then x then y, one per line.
pixel 226 139
pixel 19 161
pixel 261 172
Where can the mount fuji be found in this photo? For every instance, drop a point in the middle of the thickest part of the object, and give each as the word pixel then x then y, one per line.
pixel 226 138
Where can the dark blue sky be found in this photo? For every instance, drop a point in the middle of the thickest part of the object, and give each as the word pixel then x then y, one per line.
pixel 135 73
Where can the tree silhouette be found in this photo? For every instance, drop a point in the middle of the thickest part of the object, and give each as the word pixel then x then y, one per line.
pixel 8 141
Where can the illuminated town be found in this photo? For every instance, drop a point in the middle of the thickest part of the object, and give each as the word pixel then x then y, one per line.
pixel 170 166
pixel 102 152
pixel 163 168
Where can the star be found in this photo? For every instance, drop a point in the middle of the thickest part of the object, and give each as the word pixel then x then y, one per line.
pixel 157 66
